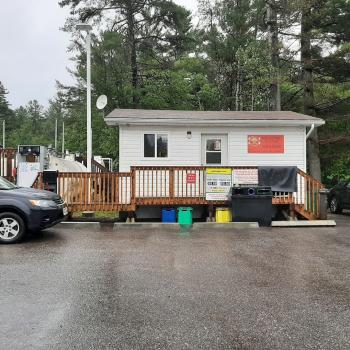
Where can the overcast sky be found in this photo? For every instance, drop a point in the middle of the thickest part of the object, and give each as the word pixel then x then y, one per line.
pixel 33 50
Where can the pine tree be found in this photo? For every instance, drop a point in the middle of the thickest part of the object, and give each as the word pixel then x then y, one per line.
pixel 147 26
pixel 6 113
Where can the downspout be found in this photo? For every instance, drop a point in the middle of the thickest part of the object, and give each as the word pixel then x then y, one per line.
pixel 310 131
pixel 305 146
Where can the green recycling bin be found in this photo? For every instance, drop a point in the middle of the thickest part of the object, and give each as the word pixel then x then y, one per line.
pixel 184 216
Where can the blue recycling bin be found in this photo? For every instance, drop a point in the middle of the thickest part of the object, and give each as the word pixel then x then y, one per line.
pixel 168 215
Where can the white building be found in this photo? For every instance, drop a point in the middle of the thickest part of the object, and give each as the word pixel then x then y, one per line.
pixel 210 138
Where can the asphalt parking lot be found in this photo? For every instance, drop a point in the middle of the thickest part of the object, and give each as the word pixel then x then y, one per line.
pixel 247 289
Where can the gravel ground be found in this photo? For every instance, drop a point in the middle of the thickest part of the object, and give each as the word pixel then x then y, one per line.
pixel 245 289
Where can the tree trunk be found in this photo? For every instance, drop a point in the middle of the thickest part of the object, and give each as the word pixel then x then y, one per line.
pixel 275 93
pixel 238 88
pixel 252 97
pixel 313 157
pixel 133 56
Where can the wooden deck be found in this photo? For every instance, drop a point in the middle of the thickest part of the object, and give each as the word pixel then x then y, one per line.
pixel 164 186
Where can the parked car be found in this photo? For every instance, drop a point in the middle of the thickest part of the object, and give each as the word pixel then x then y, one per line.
pixel 27 209
pixel 339 197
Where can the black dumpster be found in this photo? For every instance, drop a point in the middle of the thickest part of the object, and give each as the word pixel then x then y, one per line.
pixel 50 180
pixel 252 204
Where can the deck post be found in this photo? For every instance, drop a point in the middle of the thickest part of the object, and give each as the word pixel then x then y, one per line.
pixel 292 213
pixel 171 183
pixel 132 214
pixel 211 212
pixel 133 187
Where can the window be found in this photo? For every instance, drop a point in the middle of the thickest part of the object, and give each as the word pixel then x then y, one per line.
pixel 149 145
pixel 162 146
pixel 155 145
pixel 213 151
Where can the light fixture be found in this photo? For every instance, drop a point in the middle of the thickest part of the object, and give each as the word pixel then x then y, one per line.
pixel 189 134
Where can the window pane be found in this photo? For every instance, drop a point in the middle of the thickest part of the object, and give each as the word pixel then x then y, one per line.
pixel 213 158
pixel 214 145
pixel 162 145
pixel 149 145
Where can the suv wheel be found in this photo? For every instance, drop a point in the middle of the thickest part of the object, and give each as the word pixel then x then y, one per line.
pixel 334 206
pixel 12 228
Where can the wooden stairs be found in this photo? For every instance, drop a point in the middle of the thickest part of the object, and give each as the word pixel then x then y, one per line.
pixel 306 201
pixel 306 214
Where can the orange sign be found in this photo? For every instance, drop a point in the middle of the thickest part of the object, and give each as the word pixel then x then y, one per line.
pixel 191 178
pixel 265 143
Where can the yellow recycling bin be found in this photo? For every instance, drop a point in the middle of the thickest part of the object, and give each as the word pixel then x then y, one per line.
pixel 223 215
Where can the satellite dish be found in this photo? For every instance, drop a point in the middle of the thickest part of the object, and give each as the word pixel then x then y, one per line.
pixel 101 102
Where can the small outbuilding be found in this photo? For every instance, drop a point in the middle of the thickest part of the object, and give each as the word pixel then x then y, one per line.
pixel 203 162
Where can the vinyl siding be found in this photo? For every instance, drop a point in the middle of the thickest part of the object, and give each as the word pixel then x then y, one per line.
pixel 184 151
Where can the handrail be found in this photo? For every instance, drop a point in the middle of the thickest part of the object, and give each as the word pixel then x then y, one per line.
pixel 307 199
pixel 188 167
pixel 99 167
pixel 96 166
pixel 302 173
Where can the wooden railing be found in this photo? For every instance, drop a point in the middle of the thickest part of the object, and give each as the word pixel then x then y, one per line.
pixel 96 167
pixel 93 191
pixel 163 186
pixel 168 185
pixel 307 198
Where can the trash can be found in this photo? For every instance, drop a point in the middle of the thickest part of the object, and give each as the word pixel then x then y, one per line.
pixel 50 180
pixel 223 215
pixel 184 216
pixel 168 215
pixel 252 204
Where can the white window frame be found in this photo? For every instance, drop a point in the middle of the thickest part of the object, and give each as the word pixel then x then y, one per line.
pixel 224 148
pixel 155 133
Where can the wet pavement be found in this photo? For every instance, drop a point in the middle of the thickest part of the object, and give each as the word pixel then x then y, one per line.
pixel 247 289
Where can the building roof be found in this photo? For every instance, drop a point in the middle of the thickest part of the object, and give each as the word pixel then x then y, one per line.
pixel 176 117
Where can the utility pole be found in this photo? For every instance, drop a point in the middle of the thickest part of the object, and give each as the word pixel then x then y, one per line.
pixel 87 28
pixel 275 92
pixel 3 134
pixel 56 131
pixel 63 140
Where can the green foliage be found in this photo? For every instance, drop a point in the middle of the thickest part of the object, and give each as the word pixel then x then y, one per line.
pixel 148 54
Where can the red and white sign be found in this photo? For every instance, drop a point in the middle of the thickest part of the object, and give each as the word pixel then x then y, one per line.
pixel 265 143
pixel 191 178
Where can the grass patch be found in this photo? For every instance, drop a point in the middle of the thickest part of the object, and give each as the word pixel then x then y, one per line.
pixel 98 215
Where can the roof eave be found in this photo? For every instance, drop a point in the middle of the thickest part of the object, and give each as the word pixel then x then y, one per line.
pixel 216 122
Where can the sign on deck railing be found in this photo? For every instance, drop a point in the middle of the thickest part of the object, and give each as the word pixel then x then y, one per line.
pixel 218 182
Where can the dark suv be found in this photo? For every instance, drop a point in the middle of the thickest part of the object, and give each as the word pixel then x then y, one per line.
pixel 27 209
pixel 339 197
